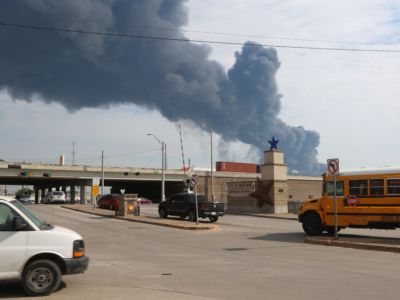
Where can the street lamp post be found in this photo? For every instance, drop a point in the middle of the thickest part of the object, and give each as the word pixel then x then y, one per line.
pixel 162 143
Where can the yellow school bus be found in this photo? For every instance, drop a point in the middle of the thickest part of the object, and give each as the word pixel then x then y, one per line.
pixel 366 198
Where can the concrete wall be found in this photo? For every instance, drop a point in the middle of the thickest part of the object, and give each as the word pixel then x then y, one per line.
pixel 299 189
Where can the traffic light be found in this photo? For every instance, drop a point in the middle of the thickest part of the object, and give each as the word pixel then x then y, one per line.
pixel 46 174
pixel 23 174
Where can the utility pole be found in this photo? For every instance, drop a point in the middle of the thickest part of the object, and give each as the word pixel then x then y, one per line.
pixel 163 163
pixel 163 171
pixel 212 167
pixel 102 172
pixel 73 153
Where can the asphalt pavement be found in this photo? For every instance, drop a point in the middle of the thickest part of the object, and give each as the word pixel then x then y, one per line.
pixel 149 215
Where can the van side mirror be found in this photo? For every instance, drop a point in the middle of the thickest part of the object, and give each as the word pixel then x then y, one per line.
pixel 19 224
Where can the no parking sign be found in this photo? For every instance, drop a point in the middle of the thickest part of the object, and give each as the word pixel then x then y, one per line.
pixel 193 180
pixel 333 166
pixel 333 169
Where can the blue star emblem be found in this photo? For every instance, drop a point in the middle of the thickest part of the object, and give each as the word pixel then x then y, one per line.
pixel 273 143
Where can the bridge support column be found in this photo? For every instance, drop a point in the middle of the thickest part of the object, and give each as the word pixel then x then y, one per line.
pixel 36 195
pixel 82 191
pixel 42 194
pixel 72 193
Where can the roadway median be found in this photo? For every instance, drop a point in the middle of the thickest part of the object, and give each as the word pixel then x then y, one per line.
pixel 171 222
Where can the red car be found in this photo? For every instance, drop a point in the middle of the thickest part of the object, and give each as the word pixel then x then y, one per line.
pixel 143 200
pixel 108 201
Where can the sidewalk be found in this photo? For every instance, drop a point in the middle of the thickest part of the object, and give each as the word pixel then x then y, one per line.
pixel 344 240
pixel 170 222
pixel 357 242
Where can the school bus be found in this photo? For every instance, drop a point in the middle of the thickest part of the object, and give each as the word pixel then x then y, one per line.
pixel 366 198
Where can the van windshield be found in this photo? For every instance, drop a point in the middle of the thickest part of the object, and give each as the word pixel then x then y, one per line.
pixel 35 219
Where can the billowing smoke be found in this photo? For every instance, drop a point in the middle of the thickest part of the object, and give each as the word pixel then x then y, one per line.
pixel 176 78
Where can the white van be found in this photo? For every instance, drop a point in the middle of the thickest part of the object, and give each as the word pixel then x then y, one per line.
pixel 54 197
pixel 36 252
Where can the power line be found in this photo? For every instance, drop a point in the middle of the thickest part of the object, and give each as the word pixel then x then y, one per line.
pixel 95 157
pixel 261 36
pixel 161 38
pixel 83 159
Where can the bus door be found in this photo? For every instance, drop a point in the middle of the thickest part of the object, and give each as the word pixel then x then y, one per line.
pixel 328 202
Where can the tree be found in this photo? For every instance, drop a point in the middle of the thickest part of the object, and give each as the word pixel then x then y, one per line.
pixel 23 192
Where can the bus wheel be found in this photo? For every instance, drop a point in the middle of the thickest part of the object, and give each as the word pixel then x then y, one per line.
pixel 312 224
pixel 331 229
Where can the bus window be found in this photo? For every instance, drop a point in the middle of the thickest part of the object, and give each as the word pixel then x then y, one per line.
pixel 376 187
pixel 358 187
pixel 339 188
pixel 393 186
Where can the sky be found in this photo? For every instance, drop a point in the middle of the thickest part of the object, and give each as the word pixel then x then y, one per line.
pixel 345 103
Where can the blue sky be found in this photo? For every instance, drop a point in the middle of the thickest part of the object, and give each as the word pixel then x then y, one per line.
pixel 350 98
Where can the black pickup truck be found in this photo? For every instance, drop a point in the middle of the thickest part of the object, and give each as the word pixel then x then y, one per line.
pixel 184 206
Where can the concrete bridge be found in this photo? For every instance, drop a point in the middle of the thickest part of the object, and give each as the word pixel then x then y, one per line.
pixel 145 182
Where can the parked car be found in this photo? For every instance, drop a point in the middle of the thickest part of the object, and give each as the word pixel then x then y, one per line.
pixel 108 201
pixel 25 199
pixel 184 205
pixel 35 252
pixel 53 197
pixel 143 200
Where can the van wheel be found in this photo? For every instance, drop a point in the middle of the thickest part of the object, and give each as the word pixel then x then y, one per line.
pixel 312 224
pixel 41 278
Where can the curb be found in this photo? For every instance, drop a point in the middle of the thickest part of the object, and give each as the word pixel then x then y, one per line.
pixel 354 245
pixel 261 216
pixel 145 221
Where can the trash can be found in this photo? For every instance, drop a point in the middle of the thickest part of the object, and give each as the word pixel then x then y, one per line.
pixel 128 205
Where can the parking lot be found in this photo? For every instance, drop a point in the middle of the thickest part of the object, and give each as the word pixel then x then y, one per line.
pixel 246 258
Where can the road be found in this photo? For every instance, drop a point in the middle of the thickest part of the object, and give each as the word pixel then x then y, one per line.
pixel 248 258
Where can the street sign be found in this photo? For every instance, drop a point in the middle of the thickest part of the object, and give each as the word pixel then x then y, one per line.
pixel 96 181
pixel 193 180
pixel 95 190
pixel 333 166
pixel 352 200
pixel 333 169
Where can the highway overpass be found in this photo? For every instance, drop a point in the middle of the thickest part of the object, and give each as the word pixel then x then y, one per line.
pixel 145 182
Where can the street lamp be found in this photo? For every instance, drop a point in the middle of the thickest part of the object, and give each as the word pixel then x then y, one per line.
pixel 162 143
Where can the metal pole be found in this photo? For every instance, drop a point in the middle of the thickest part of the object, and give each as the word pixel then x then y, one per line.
pixel 197 205
pixel 73 153
pixel 335 205
pixel 212 167
pixel 162 172
pixel 102 172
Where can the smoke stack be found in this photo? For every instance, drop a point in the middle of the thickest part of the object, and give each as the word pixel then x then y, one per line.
pixel 62 159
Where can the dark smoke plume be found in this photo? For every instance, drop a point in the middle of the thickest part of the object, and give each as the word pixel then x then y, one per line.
pixel 176 78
